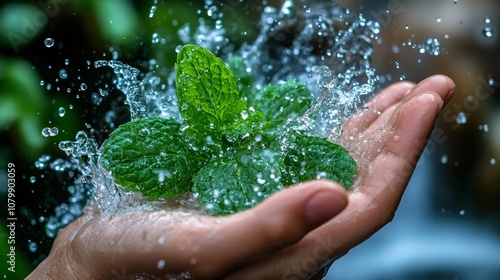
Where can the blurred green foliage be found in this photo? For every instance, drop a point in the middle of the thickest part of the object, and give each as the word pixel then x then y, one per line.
pixel 21 103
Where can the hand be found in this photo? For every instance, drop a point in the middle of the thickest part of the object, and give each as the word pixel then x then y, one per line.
pixel 291 235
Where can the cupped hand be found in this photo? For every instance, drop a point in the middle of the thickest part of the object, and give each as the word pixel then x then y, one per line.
pixel 293 234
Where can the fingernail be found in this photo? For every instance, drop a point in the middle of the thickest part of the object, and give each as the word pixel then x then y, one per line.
pixel 323 206
pixel 449 95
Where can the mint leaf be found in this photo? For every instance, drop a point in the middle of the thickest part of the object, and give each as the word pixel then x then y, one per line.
pixel 207 91
pixel 150 155
pixel 282 102
pixel 230 185
pixel 244 78
pixel 311 157
pixel 251 123
pixel 230 155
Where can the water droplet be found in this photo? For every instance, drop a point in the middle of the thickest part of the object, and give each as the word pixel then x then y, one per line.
pixel 209 141
pixel 61 112
pixel 152 11
pixel 487 20
pixel 488 32
pixel 49 42
pixel 48 132
pixel 41 162
pixel 145 131
pixel 444 159
pixel 83 87
pixel 33 247
pixel 431 46
pixel 161 264
pixel 244 114
pixel 218 24
pixel 395 49
pixel 493 161
pixel 438 20
pixel 455 2
pixel 66 61
pixel 63 74
pixel 161 239
pixel 462 212
pixel 321 175
pixel 155 38
pixel 32 179
pixel 484 127
pixel 461 118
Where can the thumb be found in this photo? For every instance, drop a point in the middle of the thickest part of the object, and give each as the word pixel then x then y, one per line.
pixel 281 220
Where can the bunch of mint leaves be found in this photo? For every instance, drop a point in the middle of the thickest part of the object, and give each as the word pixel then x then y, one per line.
pixel 235 146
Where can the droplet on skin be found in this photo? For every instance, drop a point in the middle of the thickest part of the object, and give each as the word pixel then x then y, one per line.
pixel 161 239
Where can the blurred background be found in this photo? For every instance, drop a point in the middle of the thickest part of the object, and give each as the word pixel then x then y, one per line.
pixel 448 224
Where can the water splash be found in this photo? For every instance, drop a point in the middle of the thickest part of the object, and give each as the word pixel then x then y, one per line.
pixel 145 94
pixel 322 45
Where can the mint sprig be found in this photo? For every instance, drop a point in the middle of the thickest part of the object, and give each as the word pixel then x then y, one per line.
pixel 233 150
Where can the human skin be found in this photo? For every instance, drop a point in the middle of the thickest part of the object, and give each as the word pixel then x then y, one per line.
pixel 294 234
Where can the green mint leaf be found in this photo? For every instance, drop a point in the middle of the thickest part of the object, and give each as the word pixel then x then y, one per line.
pixel 244 78
pixel 311 157
pixel 282 102
pixel 230 185
pixel 207 91
pixel 250 124
pixel 151 155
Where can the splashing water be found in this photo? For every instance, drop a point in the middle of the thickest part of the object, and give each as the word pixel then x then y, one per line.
pixel 323 45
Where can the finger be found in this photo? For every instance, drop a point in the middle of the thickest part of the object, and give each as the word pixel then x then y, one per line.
pixel 382 184
pixel 386 98
pixel 281 220
pixel 205 246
